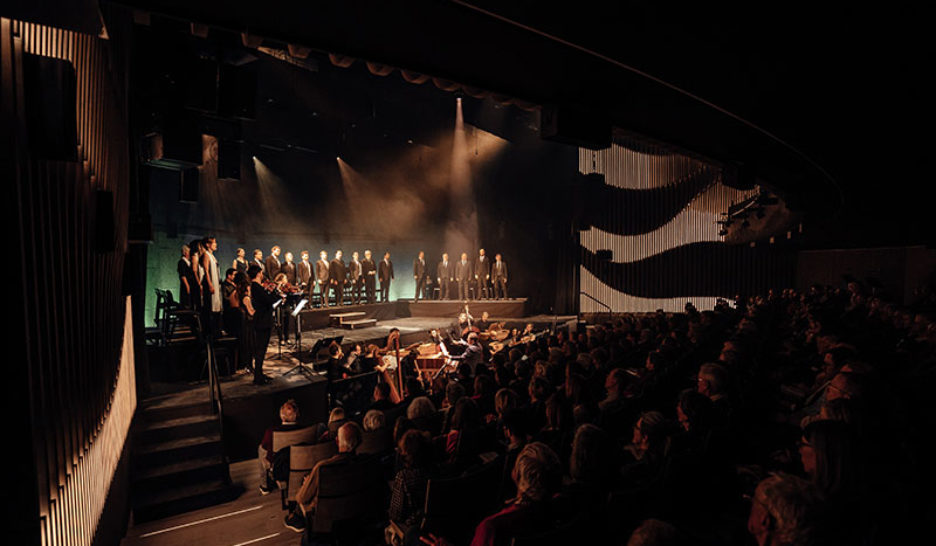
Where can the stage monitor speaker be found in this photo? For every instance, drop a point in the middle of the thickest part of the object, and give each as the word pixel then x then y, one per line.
pixel 177 145
pixel 229 160
pixel 188 185
pixel 569 126
pixel 105 237
pixel 51 114
pixel 237 91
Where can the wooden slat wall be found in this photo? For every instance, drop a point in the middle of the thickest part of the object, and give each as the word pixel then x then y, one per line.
pixel 80 373
pixel 645 167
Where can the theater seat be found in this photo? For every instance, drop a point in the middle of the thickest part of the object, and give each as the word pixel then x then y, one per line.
pixel 455 506
pixel 376 442
pixel 351 500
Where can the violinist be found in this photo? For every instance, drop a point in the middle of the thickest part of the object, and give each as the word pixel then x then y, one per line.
pixel 262 302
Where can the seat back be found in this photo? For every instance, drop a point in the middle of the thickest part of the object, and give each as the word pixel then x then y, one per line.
pixel 376 442
pixel 304 435
pixel 455 506
pixel 349 491
pixel 302 459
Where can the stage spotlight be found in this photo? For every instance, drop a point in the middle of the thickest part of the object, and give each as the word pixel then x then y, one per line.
pixel 338 157
pixel 254 157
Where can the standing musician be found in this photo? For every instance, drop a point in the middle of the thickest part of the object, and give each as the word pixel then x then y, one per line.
pixel 272 264
pixel 369 270
pixel 356 278
pixel 462 274
pixel 262 302
pixel 482 275
pixel 304 271
pixel 420 274
pixel 240 262
pixel 499 276
pixel 289 269
pixel 188 283
pixel 337 274
pixel 445 276
pixel 385 274
pixel 321 277
pixel 258 260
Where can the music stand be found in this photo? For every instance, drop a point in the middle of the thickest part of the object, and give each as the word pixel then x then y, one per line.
pixel 278 309
pixel 299 307
pixel 301 367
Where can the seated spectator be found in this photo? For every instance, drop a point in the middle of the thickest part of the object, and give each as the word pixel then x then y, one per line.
pixel 412 389
pixel 590 464
pixel 615 386
pixel 484 394
pixel 461 442
pixel 349 438
pixel 381 397
pixel 289 420
pixel 409 485
pixel 454 391
pixel 374 420
pixel 539 390
pixel 654 532
pixel 713 382
pixel 420 407
pixel 647 448
pixel 845 385
pixel 336 418
pixel 517 436
pixel 537 475
pixel 830 458
pixel 781 509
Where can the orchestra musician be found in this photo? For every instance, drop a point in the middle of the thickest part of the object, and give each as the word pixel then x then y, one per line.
pixel 385 274
pixel 462 274
pixel 304 271
pixel 388 364
pixel 445 276
pixel 499 277
pixel 337 274
pixel 420 274
pixel 262 302
pixel 482 275
pixel 272 263
pixel 321 277
pixel 473 354
pixel 356 278
pixel 369 270
pixel 289 269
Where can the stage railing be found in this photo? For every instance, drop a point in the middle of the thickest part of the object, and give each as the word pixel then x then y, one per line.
pixel 596 300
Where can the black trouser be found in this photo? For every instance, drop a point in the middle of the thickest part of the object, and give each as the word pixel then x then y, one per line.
pixel 421 287
pixel 370 286
pixel 500 283
pixel 338 290
pixel 261 341
pixel 462 289
pixel 385 290
pixel 482 289
pixel 356 286
pixel 323 292
pixel 444 289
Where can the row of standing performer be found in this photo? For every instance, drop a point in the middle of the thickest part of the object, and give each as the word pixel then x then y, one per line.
pixel 325 280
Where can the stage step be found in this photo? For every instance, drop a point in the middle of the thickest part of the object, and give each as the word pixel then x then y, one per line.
pixel 359 323
pixel 178 461
pixel 339 319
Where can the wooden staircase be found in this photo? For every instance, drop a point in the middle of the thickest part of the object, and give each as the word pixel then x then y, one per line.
pixel 178 462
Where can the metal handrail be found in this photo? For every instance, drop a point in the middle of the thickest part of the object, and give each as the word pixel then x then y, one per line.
pixel 214 381
pixel 599 302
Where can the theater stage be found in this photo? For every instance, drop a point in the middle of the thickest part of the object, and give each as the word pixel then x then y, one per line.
pixel 514 308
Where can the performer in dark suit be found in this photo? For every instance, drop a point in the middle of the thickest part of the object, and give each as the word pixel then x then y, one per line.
pixel 462 274
pixel 369 270
pixel 304 271
pixel 420 274
pixel 385 274
pixel 258 260
pixel 321 277
pixel 355 277
pixel 262 302
pixel 337 274
pixel 482 275
pixel 289 269
pixel 445 275
pixel 188 282
pixel 499 277
pixel 272 264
